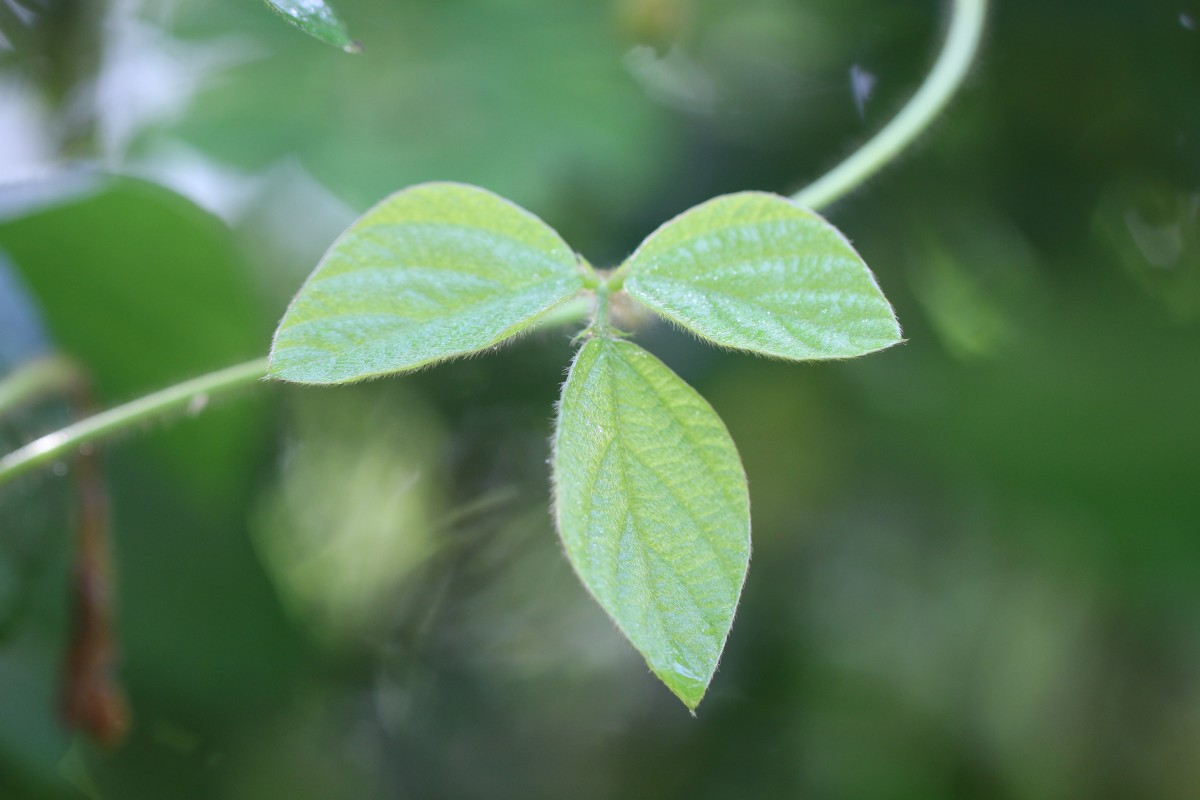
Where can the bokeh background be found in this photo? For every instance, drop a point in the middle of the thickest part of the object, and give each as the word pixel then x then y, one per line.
pixel 976 563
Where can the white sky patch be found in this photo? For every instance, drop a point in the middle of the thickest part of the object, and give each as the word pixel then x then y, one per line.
pixel 220 190
pixel 146 77
pixel 24 15
pixel 25 149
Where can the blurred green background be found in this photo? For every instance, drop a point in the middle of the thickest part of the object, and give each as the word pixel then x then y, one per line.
pixel 976 563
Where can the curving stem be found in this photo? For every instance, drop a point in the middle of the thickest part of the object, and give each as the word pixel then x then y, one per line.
pixel 948 73
pixel 52 446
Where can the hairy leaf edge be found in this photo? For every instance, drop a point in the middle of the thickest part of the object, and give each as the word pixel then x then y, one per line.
pixel 512 332
pixel 631 274
pixel 554 440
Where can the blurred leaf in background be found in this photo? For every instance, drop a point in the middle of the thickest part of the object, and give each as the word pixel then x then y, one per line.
pixel 354 511
pixel 532 104
pixel 1155 231
pixel 976 568
pixel 976 279
pixel 144 288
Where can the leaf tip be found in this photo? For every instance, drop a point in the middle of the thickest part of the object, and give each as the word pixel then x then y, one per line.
pixel 691 700
pixel 274 371
pixel 685 685
pixel 895 335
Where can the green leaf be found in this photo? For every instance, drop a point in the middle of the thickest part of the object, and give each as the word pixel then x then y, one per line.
pixel 652 507
pixel 434 271
pixel 754 271
pixel 165 294
pixel 448 91
pixel 317 19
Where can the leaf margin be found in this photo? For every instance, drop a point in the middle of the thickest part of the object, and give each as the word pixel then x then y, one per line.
pixel 627 273
pixel 694 701
pixel 513 331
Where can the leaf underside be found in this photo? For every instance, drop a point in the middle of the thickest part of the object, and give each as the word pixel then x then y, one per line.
pixel 432 272
pixel 652 507
pixel 754 271
pixel 317 19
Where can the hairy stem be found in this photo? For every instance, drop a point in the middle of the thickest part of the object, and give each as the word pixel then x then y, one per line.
pixel 45 450
pixel 572 311
pixel 599 324
pixel 961 45
pixel 616 281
